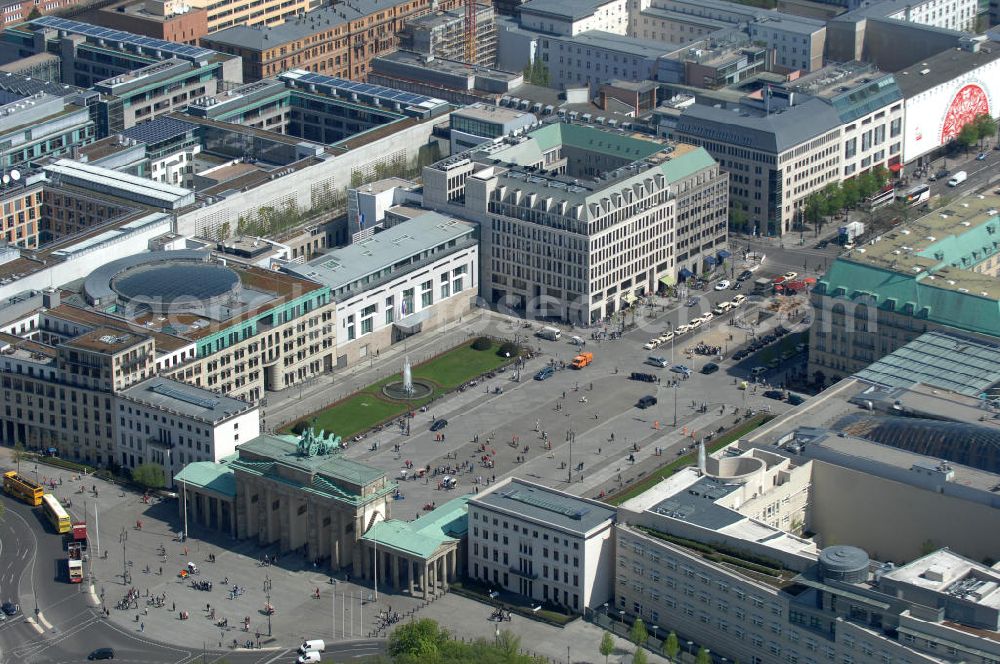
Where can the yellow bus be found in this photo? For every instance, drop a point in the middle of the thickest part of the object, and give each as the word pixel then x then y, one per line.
pixel 22 488
pixel 57 516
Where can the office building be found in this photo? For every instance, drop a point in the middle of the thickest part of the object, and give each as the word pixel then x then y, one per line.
pixel 545 545
pixel 478 123
pixel 416 276
pixel 456 82
pixel 569 17
pixel 41 125
pixel 577 221
pixel 811 573
pixel 84 51
pixel 337 41
pixel 442 34
pixel 172 424
pixel 22 207
pixel 936 272
pixel 784 143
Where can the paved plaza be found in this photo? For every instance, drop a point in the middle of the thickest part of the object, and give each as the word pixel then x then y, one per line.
pixel 588 417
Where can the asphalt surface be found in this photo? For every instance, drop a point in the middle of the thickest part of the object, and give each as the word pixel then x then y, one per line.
pixel 68 627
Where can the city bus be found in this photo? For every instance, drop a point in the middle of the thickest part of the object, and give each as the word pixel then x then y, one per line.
pixel 22 488
pixel 881 199
pixel 55 513
pixel 915 196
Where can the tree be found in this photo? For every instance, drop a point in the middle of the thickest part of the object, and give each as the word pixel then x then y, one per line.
pixel 149 475
pixel 867 185
pixel 987 126
pixel 703 657
pixel 671 646
pixel 638 634
pixel 420 639
pixel 20 454
pixel 850 192
pixel 640 656
pixel 223 232
pixel 34 13
pixel 833 198
pixel 737 219
pixel 509 644
pixel 607 644
pixel 968 136
pixel 814 207
pixel 819 378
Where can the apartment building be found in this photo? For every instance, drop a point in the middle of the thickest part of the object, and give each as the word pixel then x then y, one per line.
pixel 577 221
pixel 338 41
pixel 936 272
pixel 594 57
pixel 546 545
pixel 784 143
pixel 413 277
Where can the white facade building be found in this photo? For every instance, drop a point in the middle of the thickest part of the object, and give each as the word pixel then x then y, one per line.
pixel 547 545
pixel 173 424
pixel 415 276
pixel 571 17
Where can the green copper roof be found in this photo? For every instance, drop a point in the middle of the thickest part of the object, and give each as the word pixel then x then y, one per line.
pixel 423 536
pixel 927 298
pixel 282 449
pixel 217 477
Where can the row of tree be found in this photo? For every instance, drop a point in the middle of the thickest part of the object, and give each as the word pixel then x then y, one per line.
pixel 977 131
pixel 639 635
pixel 844 195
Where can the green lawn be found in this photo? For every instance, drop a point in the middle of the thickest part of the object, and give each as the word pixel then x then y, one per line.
pixel 365 409
pixel 668 469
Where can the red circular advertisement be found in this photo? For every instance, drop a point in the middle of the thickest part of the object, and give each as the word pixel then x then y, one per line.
pixel 969 103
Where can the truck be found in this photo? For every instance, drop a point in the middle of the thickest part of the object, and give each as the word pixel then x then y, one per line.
pixel 78 534
pixel 851 232
pixel 582 360
pixel 74 563
pixel 550 333
pixel 958 178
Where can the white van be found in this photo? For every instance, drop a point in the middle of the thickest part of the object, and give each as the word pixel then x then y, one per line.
pixel 550 333
pixel 958 178
pixel 308 657
pixel 316 645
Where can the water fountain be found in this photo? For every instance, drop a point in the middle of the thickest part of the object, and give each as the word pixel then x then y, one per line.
pixel 407 389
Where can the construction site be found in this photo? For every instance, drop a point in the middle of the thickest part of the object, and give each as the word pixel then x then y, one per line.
pixel 468 34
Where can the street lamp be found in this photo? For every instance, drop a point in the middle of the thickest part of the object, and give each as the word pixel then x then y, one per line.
pixel 267 595
pixel 123 537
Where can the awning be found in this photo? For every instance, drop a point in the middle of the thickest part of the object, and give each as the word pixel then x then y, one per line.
pixel 629 297
pixel 668 280
pixel 685 273
pixel 723 255
pixel 710 260
pixel 895 168
pixel 413 323
pixel 809 280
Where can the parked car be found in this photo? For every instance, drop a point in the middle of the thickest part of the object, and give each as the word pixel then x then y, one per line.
pixel 777 395
pixel 709 368
pixel 981 156
pixel 544 372
pixel 744 275
pixel 10 608
pixel 646 401
pixel 102 653
pixel 437 425
pixel 791 275
pixel 756 371
pixel 940 175
pixel 691 302
pixel 656 361
pixel 651 344
pixel 681 369
pixel 794 399
pixel 737 286
pixel 722 285
pixel 643 377
pixel 738 300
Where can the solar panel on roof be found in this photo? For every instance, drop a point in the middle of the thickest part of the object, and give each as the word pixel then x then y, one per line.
pixel 125 37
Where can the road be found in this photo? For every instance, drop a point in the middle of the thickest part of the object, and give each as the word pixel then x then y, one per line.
pixel 68 627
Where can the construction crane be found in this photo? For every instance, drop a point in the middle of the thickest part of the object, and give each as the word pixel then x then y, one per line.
pixel 471 7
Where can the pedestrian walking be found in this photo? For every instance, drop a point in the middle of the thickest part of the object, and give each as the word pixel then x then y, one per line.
pixel 142 627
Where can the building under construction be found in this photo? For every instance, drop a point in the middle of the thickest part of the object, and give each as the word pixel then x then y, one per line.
pixel 445 34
